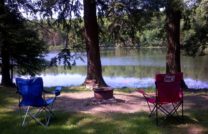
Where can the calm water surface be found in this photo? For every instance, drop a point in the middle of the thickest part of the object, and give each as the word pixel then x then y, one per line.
pixel 133 68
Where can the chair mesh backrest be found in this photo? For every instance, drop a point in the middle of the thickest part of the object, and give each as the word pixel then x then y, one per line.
pixel 31 91
pixel 168 87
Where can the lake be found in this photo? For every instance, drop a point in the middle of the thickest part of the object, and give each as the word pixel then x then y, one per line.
pixel 134 68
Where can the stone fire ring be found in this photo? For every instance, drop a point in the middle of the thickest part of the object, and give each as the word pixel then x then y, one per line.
pixel 103 93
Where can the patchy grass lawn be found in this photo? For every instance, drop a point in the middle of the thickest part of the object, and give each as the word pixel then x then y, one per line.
pixel 194 121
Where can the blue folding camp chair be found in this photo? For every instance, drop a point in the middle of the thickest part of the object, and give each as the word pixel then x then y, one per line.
pixel 33 102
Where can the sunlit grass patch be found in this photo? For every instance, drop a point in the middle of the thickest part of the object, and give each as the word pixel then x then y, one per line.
pixel 195 120
pixel 70 89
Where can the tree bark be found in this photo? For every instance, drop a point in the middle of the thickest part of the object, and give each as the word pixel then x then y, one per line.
pixel 173 60
pixel 1 5
pixel 5 67
pixel 5 58
pixel 173 63
pixel 94 68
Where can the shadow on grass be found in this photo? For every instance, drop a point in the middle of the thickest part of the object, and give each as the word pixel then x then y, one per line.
pixel 79 123
pixel 117 123
pixel 8 96
pixel 176 120
pixel 198 107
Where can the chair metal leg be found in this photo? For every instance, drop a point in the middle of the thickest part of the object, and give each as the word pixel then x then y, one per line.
pixel 47 115
pixel 49 109
pixel 33 117
pixel 156 114
pixel 38 113
pixel 26 114
pixel 152 110
pixel 182 108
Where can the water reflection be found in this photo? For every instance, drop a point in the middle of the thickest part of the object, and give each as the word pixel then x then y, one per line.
pixel 115 82
pixel 133 68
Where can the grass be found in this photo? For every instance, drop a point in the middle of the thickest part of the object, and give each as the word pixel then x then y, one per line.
pixel 114 123
pixel 82 88
pixel 70 89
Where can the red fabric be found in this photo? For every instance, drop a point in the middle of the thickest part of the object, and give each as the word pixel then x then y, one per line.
pixel 148 99
pixel 161 77
pixel 151 100
pixel 168 90
pixel 168 87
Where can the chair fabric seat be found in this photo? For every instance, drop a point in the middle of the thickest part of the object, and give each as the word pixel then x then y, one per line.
pixel 33 103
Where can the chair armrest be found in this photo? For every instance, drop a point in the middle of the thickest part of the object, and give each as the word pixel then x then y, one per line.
pixel 141 91
pixel 56 91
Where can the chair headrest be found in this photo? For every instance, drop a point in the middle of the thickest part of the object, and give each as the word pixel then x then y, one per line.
pixel 169 77
pixel 30 86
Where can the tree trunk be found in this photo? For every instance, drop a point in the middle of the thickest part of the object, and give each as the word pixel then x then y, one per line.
pixel 173 61
pixel 94 68
pixel 1 6
pixel 5 67
pixel 5 61
pixel 173 64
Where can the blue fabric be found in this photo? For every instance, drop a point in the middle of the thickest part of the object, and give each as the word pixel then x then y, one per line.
pixel 50 101
pixel 58 91
pixel 31 92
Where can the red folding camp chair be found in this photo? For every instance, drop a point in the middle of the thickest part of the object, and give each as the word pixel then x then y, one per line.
pixel 168 97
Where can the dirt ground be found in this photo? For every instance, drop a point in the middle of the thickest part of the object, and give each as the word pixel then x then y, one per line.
pixel 122 103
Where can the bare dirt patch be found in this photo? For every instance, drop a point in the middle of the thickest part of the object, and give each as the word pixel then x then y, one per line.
pixel 128 103
pixel 122 103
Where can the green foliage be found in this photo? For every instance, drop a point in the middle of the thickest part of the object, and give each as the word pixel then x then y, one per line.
pixel 153 33
pixel 24 47
pixel 27 52
pixel 152 38
pixel 121 23
pixel 124 20
pixel 195 38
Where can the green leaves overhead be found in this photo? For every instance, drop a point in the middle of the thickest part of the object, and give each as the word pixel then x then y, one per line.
pixel 125 18
pixel 24 48
pixel 123 22
pixel 196 37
